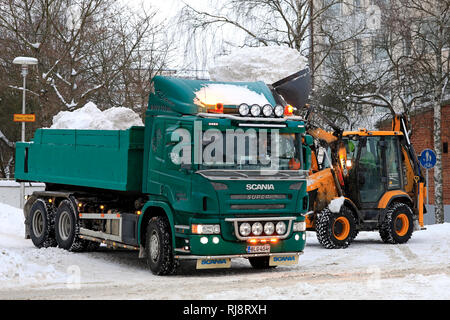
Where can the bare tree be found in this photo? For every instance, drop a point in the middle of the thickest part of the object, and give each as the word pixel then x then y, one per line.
pixel 88 50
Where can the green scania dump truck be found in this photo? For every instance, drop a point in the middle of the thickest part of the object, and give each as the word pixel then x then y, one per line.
pixel 207 178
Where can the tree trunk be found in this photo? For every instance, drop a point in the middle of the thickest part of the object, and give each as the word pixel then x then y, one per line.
pixel 438 174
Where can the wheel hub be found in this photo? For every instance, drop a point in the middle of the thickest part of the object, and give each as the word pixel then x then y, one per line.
pixel 154 246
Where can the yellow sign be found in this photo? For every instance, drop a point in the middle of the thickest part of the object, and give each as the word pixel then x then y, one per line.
pixel 24 117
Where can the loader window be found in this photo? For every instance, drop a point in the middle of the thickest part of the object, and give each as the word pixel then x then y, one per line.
pixel 392 163
pixel 371 170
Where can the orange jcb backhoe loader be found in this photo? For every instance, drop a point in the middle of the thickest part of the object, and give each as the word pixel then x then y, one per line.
pixel 366 180
pixel 372 182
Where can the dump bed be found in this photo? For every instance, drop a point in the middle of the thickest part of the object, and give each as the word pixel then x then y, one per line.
pixel 106 159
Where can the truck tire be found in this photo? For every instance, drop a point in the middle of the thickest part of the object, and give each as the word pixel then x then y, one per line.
pixel 67 228
pixel 336 230
pixel 158 244
pixel 397 225
pixel 41 225
pixel 260 263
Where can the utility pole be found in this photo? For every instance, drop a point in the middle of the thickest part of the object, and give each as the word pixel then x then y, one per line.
pixel 24 62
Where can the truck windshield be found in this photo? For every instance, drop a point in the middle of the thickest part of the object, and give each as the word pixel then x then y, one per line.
pixel 262 150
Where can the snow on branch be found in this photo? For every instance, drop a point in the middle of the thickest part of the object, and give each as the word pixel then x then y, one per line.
pixel 4 139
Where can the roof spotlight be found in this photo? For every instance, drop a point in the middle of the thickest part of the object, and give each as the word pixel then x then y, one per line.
pixel 279 111
pixel 244 110
pixel 255 110
pixel 267 110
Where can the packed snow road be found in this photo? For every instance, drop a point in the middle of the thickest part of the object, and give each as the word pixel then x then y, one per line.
pixel 368 269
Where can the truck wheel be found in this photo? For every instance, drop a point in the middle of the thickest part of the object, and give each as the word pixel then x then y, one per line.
pixel 67 228
pixel 158 244
pixel 336 230
pixel 41 226
pixel 260 262
pixel 397 226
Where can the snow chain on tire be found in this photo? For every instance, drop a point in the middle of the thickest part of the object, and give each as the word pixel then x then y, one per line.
pixel 158 244
pixel 397 226
pixel 68 239
pixel 45 238
pixel 325 224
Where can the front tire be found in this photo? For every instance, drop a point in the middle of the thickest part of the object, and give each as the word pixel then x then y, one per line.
pixel 397 226
pixel 336 230
pixel 41 226
pixel 158 244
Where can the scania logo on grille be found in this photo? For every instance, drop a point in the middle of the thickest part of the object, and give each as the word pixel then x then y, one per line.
pixel 255 186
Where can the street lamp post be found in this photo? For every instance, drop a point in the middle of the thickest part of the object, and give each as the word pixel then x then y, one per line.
pixel 24 62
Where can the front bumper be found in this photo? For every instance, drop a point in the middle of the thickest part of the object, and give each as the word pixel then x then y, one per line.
pixel 247 255
pixel 204 246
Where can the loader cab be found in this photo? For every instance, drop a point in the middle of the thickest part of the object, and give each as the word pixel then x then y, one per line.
pixel 374 168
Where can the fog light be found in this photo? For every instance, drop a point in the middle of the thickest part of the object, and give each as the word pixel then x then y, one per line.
pixel 257 228
pixel 245 229
pixel 255 110
pixel 267 110
pixel 281 227
pixel 244 109
pixel 215 240
pixel 204 240
pixel 269 228
pixel 279 111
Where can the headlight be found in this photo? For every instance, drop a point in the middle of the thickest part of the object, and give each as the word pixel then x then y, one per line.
pixel 267 110
pixel 299 226
pixel 245 229
pixel 206 228
pixel 279 111
pixel 281 227
pixel 269 228
pixel 255 110
pixel 244 109
pixel 257 228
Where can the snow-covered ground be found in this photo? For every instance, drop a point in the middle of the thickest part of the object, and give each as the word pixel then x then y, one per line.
pixel 367 269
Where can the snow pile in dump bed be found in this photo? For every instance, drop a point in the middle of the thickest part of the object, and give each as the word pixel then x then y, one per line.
pixel 91 117
pixel 267 64
pixel 229 95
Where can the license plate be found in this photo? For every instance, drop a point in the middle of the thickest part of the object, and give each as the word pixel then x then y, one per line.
pixel 259 249
pixel 283 260
pixel 213 263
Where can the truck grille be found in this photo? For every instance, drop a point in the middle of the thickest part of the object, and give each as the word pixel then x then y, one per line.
pixel 257 196
pixel 257 206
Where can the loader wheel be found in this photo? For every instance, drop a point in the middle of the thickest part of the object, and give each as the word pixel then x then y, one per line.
pixel 41 226
pixel 158 244
pixel 67 228
pixel 397 226
pixel 336 230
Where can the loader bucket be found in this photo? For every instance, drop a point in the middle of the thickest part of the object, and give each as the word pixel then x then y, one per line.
pixel 295 89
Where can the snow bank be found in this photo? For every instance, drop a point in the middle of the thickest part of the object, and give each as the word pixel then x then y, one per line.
pixel 336 204
pixel 229 95
pixel 267 64
pixel 91 117
pixel 11 220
